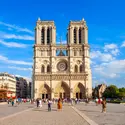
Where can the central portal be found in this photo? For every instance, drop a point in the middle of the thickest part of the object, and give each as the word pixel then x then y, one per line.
pixel 62 90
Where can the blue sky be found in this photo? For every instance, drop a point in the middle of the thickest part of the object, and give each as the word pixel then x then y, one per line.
pixel 105 20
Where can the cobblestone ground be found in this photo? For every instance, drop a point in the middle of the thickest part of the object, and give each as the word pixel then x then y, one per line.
pixel 115 114
pixel 40 116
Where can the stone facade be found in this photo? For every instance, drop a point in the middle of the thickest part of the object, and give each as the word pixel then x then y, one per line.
pixel 61 70
pixel 7 86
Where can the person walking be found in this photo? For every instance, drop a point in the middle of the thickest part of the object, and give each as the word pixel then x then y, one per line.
pixel 104 105
pixel 49 105
pixel 37 102
pixel 59 104
pixel 40 103
pixel 12 102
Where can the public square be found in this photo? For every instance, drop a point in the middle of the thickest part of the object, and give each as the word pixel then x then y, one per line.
pixel 28 114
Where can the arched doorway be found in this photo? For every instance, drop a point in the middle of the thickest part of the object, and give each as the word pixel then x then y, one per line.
pixel 79 91
pixel 62 90
pixel 44 92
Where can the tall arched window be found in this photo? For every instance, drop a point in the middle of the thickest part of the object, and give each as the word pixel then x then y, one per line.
pixel 42 36
pixel 81 68
pixel 48 35
pixel 42 69
pixel 75 36
pixel 48 68
pixel 80 40
pixel 76 69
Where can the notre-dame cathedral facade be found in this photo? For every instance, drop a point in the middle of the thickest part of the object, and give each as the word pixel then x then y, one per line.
pixel 61 70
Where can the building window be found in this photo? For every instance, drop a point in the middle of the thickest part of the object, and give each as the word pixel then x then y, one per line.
pixel 42 36
pixel 43 69
pixel 48 36
pixel 81 68
pixel 80 40
pixel 76 69
pixel 75 36
pixel 48 68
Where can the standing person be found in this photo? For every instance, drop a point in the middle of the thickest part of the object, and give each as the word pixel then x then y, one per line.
pixel 59 104
pixel 37 102
pixel 87 101
pixel 12 102
pixel 40 103
pixel 99 101
pixel 76 101
pixel 49 105
pixel 104 105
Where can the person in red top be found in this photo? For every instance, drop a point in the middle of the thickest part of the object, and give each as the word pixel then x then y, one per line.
pixel 99 101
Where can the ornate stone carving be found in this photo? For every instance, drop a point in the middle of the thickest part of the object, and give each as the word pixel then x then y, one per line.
pixel 61 77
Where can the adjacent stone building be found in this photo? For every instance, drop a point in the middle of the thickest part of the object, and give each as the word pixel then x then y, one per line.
pixel 61 71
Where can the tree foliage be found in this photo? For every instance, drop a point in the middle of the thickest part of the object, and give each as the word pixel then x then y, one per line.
pixel 113 92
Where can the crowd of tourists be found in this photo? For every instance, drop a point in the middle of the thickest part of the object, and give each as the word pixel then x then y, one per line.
pixel 49 103
pixel 59 102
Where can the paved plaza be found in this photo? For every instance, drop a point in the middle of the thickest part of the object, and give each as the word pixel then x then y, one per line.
pixel 28 114
pixel 115 114
pixel 40 116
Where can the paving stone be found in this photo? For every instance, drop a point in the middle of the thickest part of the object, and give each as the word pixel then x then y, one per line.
pixel 40 116
pixel 115 114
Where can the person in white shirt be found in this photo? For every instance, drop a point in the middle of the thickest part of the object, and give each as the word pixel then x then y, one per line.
pixel 40 103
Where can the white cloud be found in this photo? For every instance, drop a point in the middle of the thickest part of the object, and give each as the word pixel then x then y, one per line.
pixel 19 62
pixel 19 29
pixel 20 68
pixel 27 78
pixel 115 52
pixel 110 47
pixel 101 56
pixel 123 44
pixel 13 44
pixel 110 69
pixel 62 42
pixel 13 36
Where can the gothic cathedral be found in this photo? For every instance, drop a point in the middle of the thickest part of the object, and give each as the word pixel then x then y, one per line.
pixel 61 70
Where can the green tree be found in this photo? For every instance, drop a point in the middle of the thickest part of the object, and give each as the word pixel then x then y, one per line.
pixel 111 92
pixel 121 92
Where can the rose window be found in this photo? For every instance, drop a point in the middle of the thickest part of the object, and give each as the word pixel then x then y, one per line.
pixel 62 66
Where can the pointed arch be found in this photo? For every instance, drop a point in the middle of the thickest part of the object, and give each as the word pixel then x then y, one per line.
pixel 74 35
pixel 81 68
pixel 79 91
pixel 44 91
pixel 48 68
pixel 62 90
pixel 42 35
pixel 76 69
pixel 48 35
pixel 80 32
pixel 43 69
